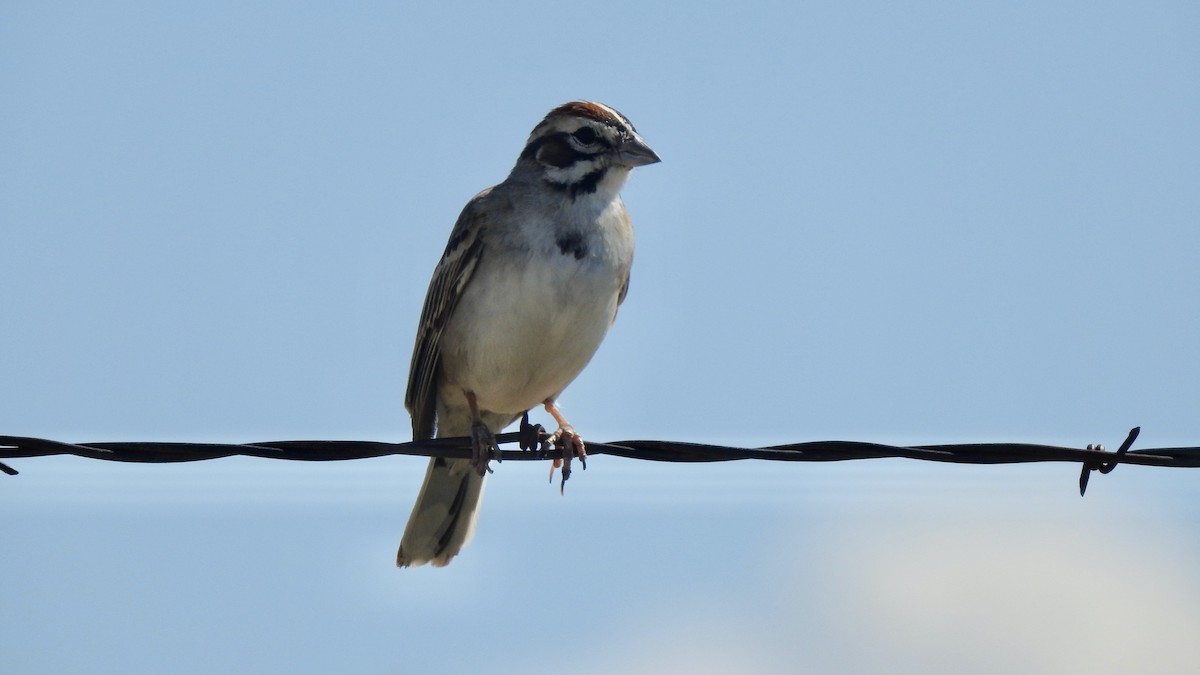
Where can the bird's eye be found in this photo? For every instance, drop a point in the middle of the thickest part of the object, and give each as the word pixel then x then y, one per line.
pixel 585 135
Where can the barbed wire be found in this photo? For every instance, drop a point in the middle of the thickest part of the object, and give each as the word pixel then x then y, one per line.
pixel 533 446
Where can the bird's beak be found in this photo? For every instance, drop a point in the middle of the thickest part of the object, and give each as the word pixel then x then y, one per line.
pixel 634 152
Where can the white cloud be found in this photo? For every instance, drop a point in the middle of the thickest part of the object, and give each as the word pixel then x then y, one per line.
pixel 988 586
pixel 994 591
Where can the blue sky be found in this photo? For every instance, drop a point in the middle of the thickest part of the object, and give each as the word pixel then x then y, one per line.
pixel 932 223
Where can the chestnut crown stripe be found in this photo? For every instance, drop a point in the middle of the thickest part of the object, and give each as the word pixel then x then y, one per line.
pixel 588 110
pixel 595 111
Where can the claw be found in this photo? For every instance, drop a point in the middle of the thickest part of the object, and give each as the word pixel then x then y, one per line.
pixel 571 444
pixel 483 443
pixel 568 441
pixel 483 448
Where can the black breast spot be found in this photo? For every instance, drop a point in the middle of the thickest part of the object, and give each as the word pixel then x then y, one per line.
pixel 572 243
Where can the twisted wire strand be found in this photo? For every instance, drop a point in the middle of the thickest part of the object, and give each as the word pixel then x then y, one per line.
pixel 533 447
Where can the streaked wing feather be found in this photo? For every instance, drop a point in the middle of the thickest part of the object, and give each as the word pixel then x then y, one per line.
pixel 449 279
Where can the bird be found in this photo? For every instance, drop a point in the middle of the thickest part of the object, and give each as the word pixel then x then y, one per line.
pixel 527 288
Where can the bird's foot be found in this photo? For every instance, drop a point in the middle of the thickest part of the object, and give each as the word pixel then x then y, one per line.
pixel 570 443
pixel 483 448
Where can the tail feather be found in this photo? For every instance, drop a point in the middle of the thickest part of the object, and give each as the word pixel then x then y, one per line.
pixel 443 519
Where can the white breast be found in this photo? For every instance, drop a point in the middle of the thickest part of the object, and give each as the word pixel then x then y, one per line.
pixel 528 323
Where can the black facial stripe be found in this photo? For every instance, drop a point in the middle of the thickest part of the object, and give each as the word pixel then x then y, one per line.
pixel 531 149
pixel 556 152
pixel 561 153
pixel 587 184
pixel 584 186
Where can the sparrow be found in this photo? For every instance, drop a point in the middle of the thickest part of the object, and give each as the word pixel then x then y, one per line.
pixel 526 290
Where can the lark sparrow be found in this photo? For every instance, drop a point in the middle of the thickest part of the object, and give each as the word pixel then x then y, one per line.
pixel 527 288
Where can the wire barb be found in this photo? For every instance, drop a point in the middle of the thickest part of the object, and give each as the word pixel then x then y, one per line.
pixel 1108 466
pixel 533 437
pixel 530 434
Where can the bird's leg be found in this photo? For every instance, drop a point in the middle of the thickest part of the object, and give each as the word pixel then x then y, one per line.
pixel 566 439
pixel 483 443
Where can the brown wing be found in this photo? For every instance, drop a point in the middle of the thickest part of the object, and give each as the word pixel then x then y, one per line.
pixel 450 277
